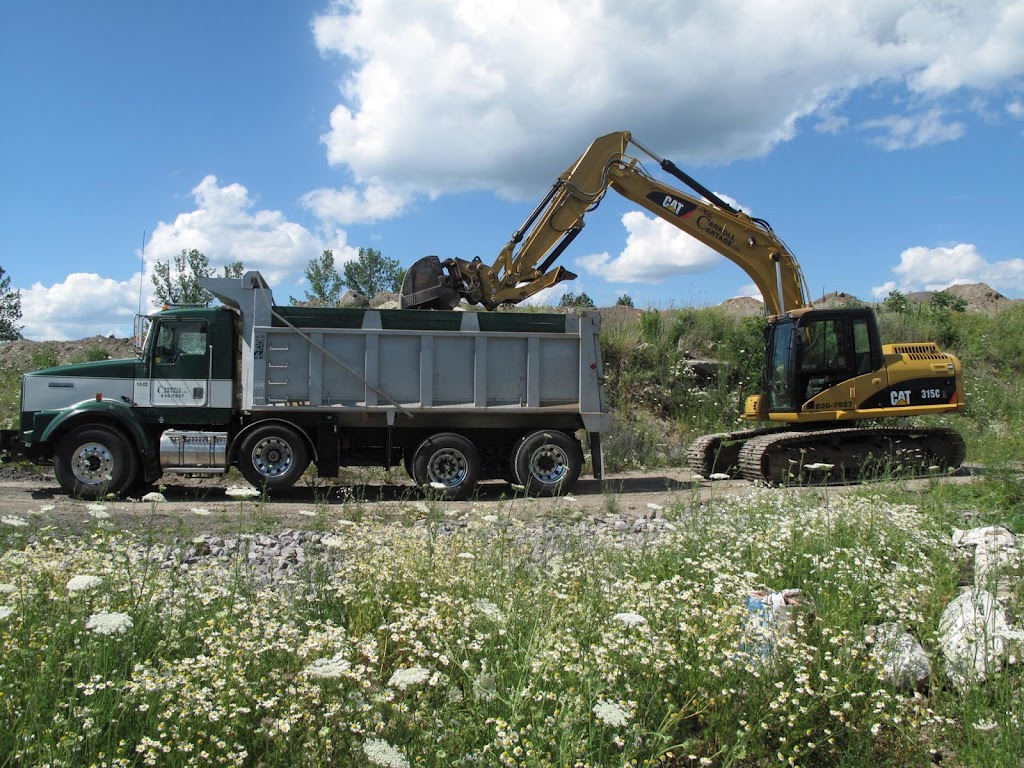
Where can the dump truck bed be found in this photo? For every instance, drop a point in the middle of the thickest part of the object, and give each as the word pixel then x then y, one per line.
pixel 420 362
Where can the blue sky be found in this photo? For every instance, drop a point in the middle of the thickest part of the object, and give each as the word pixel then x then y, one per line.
pixel 883 140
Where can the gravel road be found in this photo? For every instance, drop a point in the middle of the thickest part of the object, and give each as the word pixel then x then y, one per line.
pixel 201 506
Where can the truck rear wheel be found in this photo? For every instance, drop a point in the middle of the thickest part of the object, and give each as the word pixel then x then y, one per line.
pixel 93 461
pixel 547 463
pixel 273 457
pixel 448 463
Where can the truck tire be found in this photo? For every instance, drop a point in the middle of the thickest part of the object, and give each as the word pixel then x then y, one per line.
pixel 273 457
pixel 94 460
pixel 547 463
pixel 448 463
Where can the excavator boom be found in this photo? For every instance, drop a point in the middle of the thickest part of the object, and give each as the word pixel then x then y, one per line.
pixel 524 266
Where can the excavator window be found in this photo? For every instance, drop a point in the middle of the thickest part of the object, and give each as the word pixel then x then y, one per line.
pixel 826 357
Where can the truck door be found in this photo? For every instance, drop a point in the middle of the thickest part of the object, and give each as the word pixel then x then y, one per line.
pixel 180 364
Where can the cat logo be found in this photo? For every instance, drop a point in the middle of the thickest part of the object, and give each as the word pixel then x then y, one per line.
pixel 900 397
pixel 676 206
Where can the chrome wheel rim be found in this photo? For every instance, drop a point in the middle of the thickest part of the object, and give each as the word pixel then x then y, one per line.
pixel 272 457
pixel 93 464
pixel 448 466
pixel 549 464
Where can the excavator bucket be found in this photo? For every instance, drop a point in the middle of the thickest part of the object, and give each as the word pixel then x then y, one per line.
pixel 426 286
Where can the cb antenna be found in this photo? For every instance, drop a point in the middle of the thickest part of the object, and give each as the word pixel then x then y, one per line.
pixel 142 268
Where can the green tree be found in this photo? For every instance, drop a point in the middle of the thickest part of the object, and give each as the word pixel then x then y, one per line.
pixel 234 269
pixel 944 300
pixel 625 300
pixel 580 301
pixel 896 302
pixel 10 309
pixel 371 273
pixel 325 284
pixel 179 284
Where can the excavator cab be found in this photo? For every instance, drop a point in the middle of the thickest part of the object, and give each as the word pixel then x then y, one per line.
pixel 812 351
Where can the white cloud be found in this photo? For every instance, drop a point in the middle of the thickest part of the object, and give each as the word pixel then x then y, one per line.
pixel 474 94
pixel 226 228
pixel 84 304
pixel 654 250
pixel 932 269
pixel 912 131
pixel 749 290
pixel 351 205
pixel 224 225
pixel 965 43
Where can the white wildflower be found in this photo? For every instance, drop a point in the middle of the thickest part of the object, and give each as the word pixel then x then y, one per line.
pixel 490 518
pixel 238 492
pixel 403 678
pixel 438 486
pixel 154 497
pixel 698 478
pixel 201 511
pixel 630 619
pixel 14 521
pixel 306 513
pixel 379 752
pixel 333 542
pixel 485 687
pixel 518 488
pixel 719 476
pixel 98 511
pixel 7 589
pixel 610 713
pixel 5 611
pixel 466 556
pixel 570 499
pixel 489 610
pixel 109 623
pixel 347 523
pixel 985 725
pixel 47 507
pixel 333 667
pixel 83 582
pixel 654 506
pixel 819 467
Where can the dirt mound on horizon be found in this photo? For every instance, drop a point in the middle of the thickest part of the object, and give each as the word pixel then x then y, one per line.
pixel 28 355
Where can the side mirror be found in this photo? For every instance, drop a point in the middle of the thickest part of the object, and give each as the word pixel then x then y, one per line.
pixel 142 326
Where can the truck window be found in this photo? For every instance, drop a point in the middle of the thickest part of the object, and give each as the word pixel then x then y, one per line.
pixel 176 339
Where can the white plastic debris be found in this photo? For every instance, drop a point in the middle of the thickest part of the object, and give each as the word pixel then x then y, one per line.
pixel 772 617
pixel 972 634
pixel 902 660
pixel 997 559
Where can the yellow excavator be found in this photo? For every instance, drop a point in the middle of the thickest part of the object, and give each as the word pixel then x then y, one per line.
pixel 826 369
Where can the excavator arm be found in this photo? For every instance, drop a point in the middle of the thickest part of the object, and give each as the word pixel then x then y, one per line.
pixel 524 266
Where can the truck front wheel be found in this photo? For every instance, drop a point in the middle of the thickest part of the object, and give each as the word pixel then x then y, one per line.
pixel 93 461
pixel 547 463
pixel 449 464
pixel 273 457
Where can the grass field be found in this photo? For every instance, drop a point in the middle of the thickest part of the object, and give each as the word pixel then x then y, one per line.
pixel 402 646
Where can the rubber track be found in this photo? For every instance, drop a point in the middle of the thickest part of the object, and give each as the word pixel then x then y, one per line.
pixel 853 453
pixel 706 455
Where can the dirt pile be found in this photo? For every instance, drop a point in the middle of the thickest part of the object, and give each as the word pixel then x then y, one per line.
pixel 31 355
pixel 982 298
